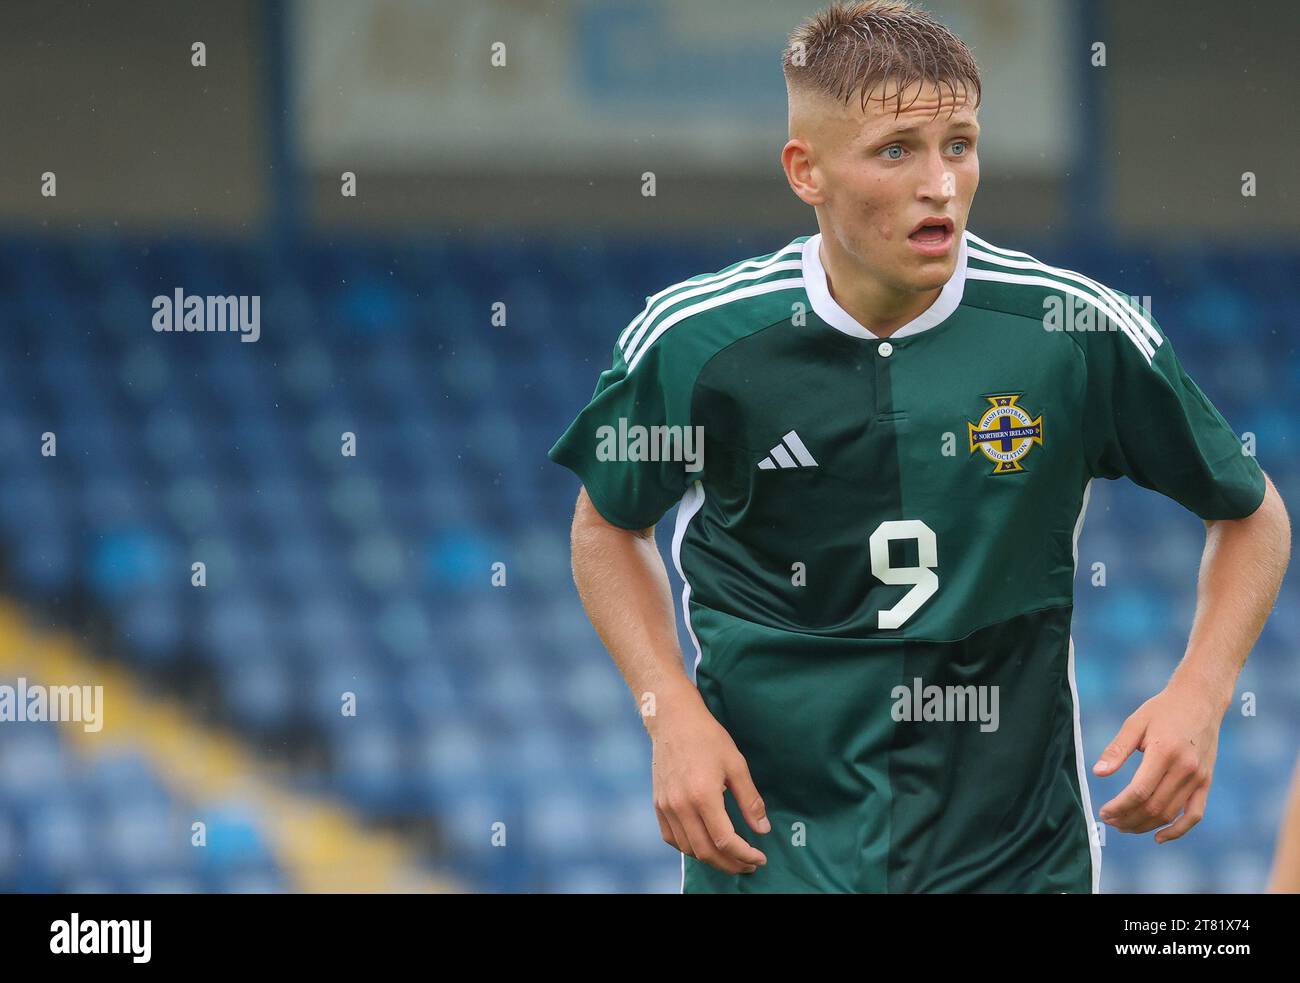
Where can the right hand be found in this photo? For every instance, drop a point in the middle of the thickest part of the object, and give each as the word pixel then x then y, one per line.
pixel 693 761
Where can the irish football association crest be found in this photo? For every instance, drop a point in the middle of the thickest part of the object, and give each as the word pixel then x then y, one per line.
pixel 1005 433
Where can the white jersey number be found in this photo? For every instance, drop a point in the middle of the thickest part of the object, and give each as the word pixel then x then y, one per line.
pixel 923 579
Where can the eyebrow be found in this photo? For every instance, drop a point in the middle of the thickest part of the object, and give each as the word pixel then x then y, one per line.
pixel 967 124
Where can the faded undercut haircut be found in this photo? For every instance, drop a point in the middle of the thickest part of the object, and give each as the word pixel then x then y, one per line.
pixel 856 47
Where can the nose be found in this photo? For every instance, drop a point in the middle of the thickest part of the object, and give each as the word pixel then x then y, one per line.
pixel 939 183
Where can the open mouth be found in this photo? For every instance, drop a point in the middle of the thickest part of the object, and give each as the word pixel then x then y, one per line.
pixel 932 232
pixel 932 236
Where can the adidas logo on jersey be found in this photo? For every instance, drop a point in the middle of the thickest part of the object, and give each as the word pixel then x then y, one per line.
pixel 790 453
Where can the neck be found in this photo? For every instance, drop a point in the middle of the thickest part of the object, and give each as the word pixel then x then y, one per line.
pixel 879 308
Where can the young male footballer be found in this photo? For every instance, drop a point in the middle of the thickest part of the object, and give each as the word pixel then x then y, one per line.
pixel 880 440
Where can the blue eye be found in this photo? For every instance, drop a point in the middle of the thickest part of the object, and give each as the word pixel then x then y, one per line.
pixel 894 147
pixel 963 144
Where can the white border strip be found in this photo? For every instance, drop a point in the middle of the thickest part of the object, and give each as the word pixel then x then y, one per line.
pixel 1094 847
pixel 686 510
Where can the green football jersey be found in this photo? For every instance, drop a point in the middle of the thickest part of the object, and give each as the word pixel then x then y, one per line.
pixel 878 538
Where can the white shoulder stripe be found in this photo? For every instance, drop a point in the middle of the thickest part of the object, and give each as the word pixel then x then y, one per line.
pixel 1128 317
pixel 1015 258
pixel 789 283
pixel 707 288
pixel 794 249
pixel 1139 342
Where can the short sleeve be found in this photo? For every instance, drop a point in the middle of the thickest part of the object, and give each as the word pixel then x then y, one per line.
pixel 1146 419
pixel 633 446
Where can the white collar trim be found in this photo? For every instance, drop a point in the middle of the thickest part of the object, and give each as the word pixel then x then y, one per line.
pixel 826 308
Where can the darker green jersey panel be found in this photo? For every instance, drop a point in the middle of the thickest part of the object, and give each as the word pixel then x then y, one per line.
pixel 787 545
pixel 861 801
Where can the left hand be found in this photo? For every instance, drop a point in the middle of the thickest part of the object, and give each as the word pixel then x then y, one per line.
pixel 1177 731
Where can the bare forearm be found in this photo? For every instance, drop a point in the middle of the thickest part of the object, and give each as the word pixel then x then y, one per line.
pixel 1241 573
pixel 624 588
